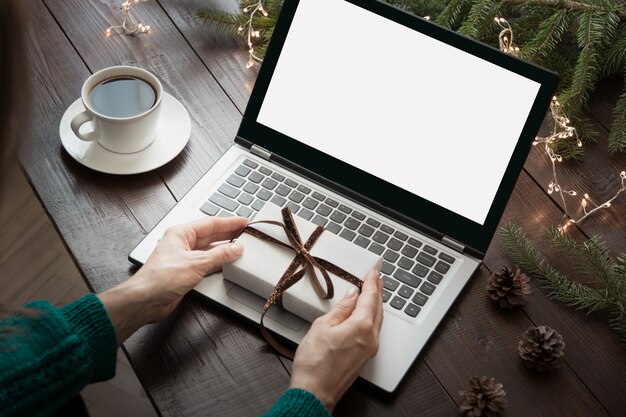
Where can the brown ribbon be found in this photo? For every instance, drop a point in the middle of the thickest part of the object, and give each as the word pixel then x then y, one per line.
pixel 301 263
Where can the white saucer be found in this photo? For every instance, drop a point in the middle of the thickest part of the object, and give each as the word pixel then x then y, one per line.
pixel 172 136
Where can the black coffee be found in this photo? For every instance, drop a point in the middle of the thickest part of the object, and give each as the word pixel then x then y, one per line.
pixel 122 97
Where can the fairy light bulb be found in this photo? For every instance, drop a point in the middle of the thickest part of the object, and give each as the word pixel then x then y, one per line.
pixel 129 26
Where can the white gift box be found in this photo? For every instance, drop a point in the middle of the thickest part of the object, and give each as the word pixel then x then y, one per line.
pixel 264 263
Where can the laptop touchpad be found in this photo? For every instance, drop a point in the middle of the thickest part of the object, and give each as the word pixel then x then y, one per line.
pixel 255 302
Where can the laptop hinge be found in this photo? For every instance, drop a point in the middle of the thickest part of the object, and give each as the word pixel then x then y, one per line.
pixel 451 243
pixel 260 152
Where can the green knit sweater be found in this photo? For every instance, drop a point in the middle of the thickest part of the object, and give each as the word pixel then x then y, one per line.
pixel 49 357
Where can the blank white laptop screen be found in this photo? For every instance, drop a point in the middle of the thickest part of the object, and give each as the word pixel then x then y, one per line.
pixel 416 112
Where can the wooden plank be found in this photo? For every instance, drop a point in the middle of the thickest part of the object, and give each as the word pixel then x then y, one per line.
pixel 224 56
pixel 593 352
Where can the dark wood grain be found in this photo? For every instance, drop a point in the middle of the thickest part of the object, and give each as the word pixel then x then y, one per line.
pixel 204 361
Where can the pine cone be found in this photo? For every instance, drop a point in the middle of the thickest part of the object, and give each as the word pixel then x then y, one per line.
pixel 484 398
pixel 508 287
pixel 541 348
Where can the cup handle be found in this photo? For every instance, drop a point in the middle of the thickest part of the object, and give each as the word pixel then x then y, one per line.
pixel 79 120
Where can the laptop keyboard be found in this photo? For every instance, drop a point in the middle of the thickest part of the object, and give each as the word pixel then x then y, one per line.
pixel 411 269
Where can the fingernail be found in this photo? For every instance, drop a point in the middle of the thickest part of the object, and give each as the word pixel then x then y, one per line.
pixel 377 272
pixel 236 248
pixel 350 293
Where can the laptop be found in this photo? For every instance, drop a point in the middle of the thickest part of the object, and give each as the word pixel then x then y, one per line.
pixel 396 134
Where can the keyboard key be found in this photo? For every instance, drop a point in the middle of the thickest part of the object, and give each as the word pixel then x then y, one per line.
pixel 258 204
pixel 386 295
pixel 296 196
pixel 305 214
pixel 245 199
pixel 225 213
pixel 391 256
pixel 449 259
pixel 332 202
pixel 430 250
pixel 242 170
pixel 318 196
pixel 376 248
pixel 358 216
pixel 278 200
pixel 269 183
pixel 405 291
pixel 406 263
pixel 435 277
pixel 323 210
pixel 407 278
pixel 333 227
pixel 255 177
pixel 420 270
pixel 387 268
pixel 345 209
pixel 390 283
pixel 398 302
pixel 415 242
pixel 412 310
pixel 409 251
pixel 264 194
pixel 387 229
pixel 373 222
pixel 352 223
pixel 283 190
pixel 223 202
pixel 244 211
pixel 228 191
pixel 310 203
pixel 400 235
pixel 291 183
pixel 442 267
pixel 293 207
pixel 362 241
pixel 338 216
pixel 394 244
pixel 380 237
pixel 250 163
pixel 235 180
pixel 304 189
pixel 347 234
pixel 278 177
pixel 425 259
pixel 265 170
pixel 420 299
pixel 427 288
pixel 366 230
pixel 319 220
pixel 210 209
pixel 250 188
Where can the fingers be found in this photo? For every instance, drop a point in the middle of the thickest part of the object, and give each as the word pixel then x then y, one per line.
pixel 343 309
pixel 200 233
pixel 212 260
pixel 369 303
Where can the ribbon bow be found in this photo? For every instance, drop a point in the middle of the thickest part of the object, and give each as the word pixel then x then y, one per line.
pixel 301 263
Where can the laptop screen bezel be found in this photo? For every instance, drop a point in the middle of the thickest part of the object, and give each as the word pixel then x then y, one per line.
pixel 419 210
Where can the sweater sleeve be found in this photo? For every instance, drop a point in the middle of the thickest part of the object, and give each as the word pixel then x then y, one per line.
pixel 296 402
pixel 49 356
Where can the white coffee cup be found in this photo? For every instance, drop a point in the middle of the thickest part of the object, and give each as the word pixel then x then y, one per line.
pixel 119 134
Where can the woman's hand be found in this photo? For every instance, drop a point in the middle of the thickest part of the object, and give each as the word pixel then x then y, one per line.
pixel 339 344
pixel 183 257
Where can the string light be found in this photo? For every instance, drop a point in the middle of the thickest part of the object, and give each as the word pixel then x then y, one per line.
pixel 129 26
pixel 562 130
pixel 251 33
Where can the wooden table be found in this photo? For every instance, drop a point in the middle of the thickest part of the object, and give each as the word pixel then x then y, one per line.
pixel 203 361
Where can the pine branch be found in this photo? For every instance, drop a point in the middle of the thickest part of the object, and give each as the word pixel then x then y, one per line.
pixel 524 254
pixel 615 56
pixel 481 12
pixel 454 13
pixel 548 36
pixel 227 22
pixel 617 137
pixel 575 6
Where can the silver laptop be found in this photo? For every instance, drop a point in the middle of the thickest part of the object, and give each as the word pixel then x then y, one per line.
pixel 396 134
